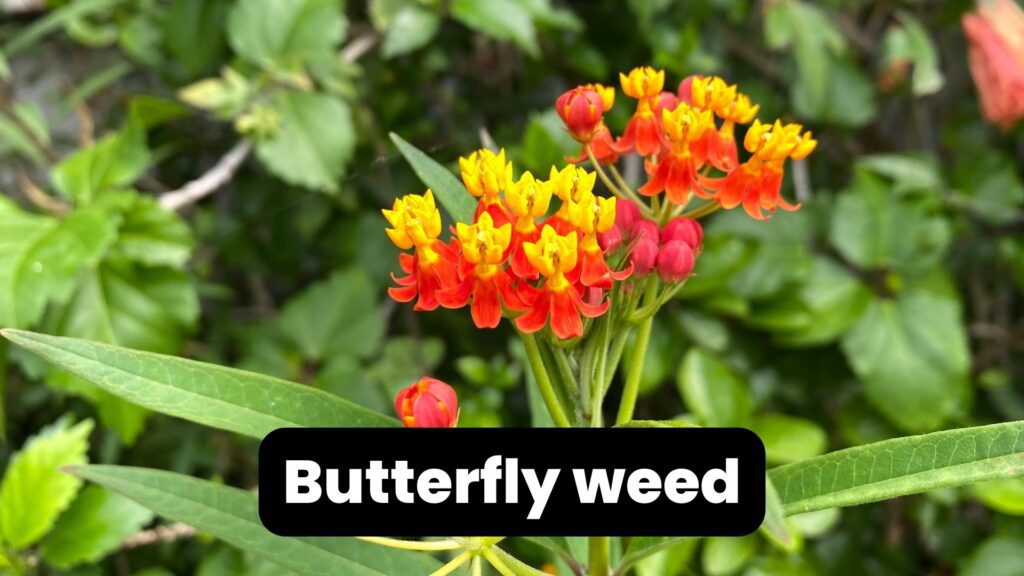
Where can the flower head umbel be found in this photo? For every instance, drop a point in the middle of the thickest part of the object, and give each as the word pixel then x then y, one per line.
pixel 428 403
pixel 643 133
pixel 486 175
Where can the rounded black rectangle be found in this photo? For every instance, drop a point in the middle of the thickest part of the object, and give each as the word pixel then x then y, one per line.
pixel 577 453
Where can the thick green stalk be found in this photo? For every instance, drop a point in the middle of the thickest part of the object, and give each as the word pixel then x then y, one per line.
pixel 540 373
pixel 636 363
pixel 597 555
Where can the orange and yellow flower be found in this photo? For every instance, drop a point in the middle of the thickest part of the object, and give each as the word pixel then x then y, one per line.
pixel 559 297
pixel 676 171
pixel 643 133
pixel 416 224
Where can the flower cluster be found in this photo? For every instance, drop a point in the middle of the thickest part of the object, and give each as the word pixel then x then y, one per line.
pixel 671 250
pixel 514 259
pixel 687 139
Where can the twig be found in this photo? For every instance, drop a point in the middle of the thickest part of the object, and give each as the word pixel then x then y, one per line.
pixel 7 108
pixel 355 49
pixel 168 533
pixel 801 181
pixel 486 140
pixel 86 126
pixel 209 182
pixel 44 201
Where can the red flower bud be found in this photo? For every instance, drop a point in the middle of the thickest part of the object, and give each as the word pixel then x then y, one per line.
pixel 686 89
pixel 428 403
pixel 581 109
pixel 648 229
pixel 627 214
pixel 611 240
pixel 686 229
pixel 675 261
pixel 643 256
pixel 665 101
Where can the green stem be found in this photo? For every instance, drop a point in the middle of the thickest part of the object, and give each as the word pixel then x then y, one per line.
pixel 614 357
pixel 514 565
pixel 566 391
pixel 636 363
pixel 598 552
pixel 625 192
pixel 624 186
pixel 597 382
pixel 540 373
pixel 709 208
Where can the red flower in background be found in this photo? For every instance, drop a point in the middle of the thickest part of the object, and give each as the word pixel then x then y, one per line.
pixel 995 35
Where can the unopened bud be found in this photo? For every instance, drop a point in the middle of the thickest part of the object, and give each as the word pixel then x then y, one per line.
pixel 686 229
pixel 675 261
pixel 428 403
pixel 643 256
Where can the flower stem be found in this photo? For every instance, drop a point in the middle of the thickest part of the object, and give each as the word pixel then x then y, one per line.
pixel 453 565
pixel 624 192
pixel 540 373
pixel 597 380
pixel 598 550
pixel 430 546
pixel 513 565
pixel 636 363
pixel 709 208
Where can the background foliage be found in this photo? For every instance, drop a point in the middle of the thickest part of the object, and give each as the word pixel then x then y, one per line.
pixel 890 304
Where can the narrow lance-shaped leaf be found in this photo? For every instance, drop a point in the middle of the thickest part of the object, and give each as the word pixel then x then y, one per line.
pixel 226 398
pixel 232 515
pixel 452 195
pixel 901 466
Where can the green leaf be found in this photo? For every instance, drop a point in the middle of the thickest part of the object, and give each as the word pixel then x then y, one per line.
pixel 988 185
pixel 908 172
pixel 787 438
pixel 41 257
pixel 411 28
pixel 193 31
pixel 901 466
pixel 873 229
pixel 314 142
pixel 642 547
pixel 775 526
pixel 336 316
pixel 724 556
pixel 34 489
pixel 1005 496
pixel 284 32
pixel 144 308
pixel 833 299
pixel 502 19
pixel 152 235
pixel 232 515
pixel 912 356
pixel 114 161
pixel 225 398
pixel 93 527
pixel 712 390
pixel 911 43
pixel 452 195
pixel 21 138
pixel 997 556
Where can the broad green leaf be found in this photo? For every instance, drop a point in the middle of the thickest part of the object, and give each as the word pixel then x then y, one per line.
pixel 412 28
pixel 193 31
pixel 315 140
pixel 912 356
pixel 833 300
pixel 901 466
pixel 712 390
pixel 144 308
pixel 92 527
pixel 114 161
pixel 788 438
pixel 908 172
pixel 874 229
pixel 1005 496
pixel 152 235
pixel 34 490
pixel 232 515
pixel 336 316
pixel 225 398
pixel 997 556
pixel 817 523
pixel 452 195
pixel 987 183
pixel 775 526
pixel 502 19
pixel 41 257
pixel 671 560
pixel 724 556
pixel 281 33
